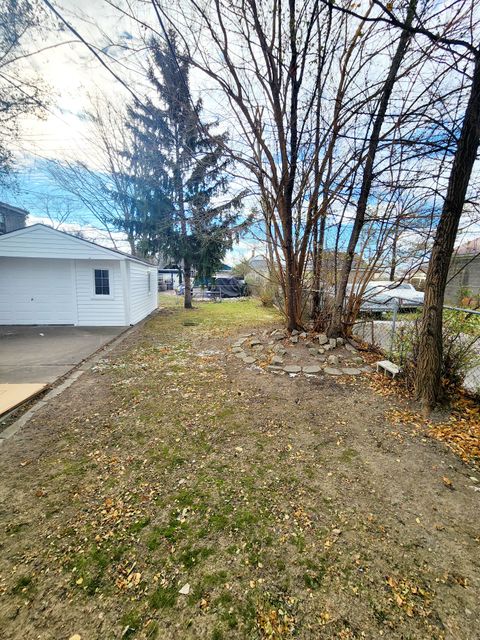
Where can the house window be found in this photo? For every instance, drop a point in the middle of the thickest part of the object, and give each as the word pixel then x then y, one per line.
pixel 3 226
pixel 102 282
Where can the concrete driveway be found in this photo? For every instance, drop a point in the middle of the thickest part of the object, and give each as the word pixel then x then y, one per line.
pixel 43 354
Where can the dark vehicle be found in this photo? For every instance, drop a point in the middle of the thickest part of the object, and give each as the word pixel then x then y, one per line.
pixel 227 288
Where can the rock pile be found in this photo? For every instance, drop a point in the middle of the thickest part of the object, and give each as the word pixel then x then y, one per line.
pixel 280 352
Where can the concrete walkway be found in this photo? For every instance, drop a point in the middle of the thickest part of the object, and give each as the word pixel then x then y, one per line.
pixel 44 354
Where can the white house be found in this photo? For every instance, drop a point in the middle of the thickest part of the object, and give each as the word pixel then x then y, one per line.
pixel 50 277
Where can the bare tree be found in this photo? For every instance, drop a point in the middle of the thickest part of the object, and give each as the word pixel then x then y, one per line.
pixel 336 325
pixel 429 364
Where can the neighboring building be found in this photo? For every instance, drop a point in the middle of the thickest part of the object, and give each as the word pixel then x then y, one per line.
pixel 51 277
pixel 169 278
pixel 259 264
pixel 464 274
pixel 418 278
pixel 11 218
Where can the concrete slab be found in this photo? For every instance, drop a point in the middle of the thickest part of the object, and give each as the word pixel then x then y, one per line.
pixel 43 354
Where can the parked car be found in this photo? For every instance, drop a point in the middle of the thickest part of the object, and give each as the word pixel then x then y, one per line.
pixel 383 295
pixel 227 287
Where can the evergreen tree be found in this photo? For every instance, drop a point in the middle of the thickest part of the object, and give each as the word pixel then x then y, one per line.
pixel 182 172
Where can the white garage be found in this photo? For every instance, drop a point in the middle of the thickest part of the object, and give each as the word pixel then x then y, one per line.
pixel 50 277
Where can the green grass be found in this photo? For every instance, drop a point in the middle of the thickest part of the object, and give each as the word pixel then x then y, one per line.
pixel 222 317
pixel 160 493
pixel 163 597
pixel 24 586
pixel 131 623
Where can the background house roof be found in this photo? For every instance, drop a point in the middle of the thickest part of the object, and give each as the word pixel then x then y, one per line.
pixel 469 248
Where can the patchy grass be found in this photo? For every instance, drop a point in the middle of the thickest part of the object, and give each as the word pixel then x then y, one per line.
pixel 172 493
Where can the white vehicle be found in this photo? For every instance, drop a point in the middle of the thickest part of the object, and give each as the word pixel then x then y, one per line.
pixel 383 295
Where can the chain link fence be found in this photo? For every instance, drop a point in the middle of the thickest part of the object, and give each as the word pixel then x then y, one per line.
pixel 394 337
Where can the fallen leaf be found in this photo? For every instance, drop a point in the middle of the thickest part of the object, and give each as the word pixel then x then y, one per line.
pixel 185 590
pixel 447 482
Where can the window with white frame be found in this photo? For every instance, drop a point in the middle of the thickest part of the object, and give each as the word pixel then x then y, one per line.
pixel 102 282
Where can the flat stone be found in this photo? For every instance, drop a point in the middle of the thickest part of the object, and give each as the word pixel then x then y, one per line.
pixel 292 368
pixel 321 350
pixel 351 371
pixel 294 339
pixel 327 347
pixel 280 350
pixel 295 332
pixel 322 339
pixel 340 342
pixel 303 334
pixel 313 368
pixel 249 360
pixel 255 342
pixel 333 343
pixel 272 367
pixel 237 349
pixel 321 358
pixel 276 360
pixel 241 354
pixel 332 371
pixel 332 359
pixel 350 348
pixel 358 360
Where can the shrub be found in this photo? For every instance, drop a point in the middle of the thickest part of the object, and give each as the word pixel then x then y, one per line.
pixel 267 292
pixel 459 355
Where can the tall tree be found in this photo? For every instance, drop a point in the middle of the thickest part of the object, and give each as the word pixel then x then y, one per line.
pixel 19 94
pixel 183 170
pixel 336 324
pixel 430 348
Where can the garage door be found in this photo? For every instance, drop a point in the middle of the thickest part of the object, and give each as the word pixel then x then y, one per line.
pixel 36 291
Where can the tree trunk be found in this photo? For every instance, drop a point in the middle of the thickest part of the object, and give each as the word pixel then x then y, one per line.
pixel 393 263
pixel 291 290
pixel 430 347
pixel 336 328
pixel 319 236
pixel 187 270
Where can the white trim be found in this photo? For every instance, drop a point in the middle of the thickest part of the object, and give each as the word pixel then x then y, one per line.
pixel 125 276
pixel 73 271
pixel 102 296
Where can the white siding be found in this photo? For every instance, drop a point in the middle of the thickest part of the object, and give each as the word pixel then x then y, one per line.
pixel 37 291
pixel 93 310
pixel 38 241
pixel 47 277
pixel 142 302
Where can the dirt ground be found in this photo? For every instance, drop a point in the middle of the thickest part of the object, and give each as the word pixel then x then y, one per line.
pixel 172 492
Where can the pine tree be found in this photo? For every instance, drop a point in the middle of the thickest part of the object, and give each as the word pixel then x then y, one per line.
pixel 182 171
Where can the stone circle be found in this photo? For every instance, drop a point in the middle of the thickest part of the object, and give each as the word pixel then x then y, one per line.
pixel 292 368
pixel 280 352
